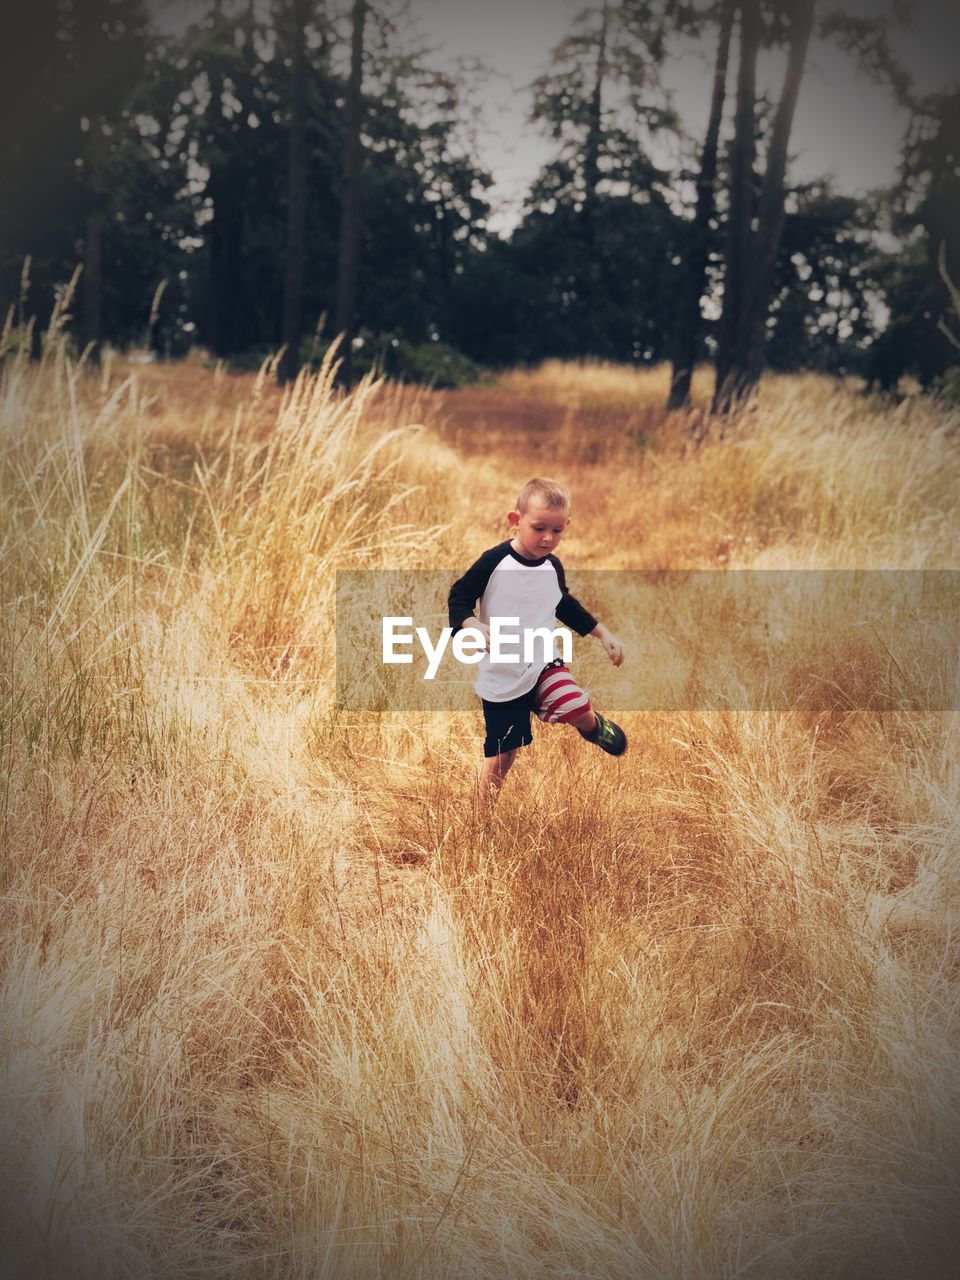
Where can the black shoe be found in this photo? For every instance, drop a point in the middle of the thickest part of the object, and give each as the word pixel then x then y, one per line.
pixel 608 736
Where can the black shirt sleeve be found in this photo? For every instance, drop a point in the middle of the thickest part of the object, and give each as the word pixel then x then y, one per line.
pixel 466 591
pixel 570 611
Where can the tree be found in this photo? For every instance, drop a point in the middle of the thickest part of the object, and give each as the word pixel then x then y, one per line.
pixel 186 177
pixel 109 39
pixel 296 197
pixel 824 312
pixel 518 300
pixel 601 102
pixel 954 297
pixel 923 215
pixel 68 115
pixel 347 258
pixel 236 90
pixel 235 100
pixel 742 198
pixel 450 202
pixel 765 243
pixel 38 150
pixel 698 248
pixel 591 162
pixel 753 254
pixel 419 174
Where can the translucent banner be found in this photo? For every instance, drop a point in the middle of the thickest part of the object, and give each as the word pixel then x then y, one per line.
pixel 748 640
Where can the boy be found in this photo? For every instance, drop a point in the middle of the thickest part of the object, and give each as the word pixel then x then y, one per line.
pixel 522 578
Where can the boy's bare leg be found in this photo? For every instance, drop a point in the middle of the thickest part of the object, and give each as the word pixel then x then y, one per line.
pixel 585 723
pixel 492 773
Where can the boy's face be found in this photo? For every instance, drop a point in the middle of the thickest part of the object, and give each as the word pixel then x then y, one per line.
pixel 538 530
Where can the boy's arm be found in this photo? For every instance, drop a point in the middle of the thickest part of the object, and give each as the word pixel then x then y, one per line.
pixel 466 591
pixel 573 615
pixel 570 611
pixel 461 601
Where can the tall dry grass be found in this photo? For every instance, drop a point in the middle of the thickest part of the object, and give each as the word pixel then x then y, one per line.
pixel 275 1001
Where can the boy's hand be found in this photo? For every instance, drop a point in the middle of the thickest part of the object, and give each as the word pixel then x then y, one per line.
pixel 610 642
pixel 614 649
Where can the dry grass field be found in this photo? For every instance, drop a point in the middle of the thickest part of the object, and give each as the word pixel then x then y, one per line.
pixel 277 1003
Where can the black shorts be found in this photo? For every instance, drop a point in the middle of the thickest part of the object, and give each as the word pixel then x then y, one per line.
pixel 508 724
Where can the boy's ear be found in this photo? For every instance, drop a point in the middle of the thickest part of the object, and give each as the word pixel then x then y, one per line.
pixel 514 518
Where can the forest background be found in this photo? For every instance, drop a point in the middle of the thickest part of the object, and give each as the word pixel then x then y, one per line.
pixel 237 177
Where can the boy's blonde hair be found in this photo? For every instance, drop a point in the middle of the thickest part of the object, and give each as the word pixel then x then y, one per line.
pixel 549 493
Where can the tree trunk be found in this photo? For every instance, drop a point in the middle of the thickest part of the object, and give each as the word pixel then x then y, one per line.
pixel 748 362
pixel 741 199
pixel 289 364
pixel 688 308
pixel 348 258
pixel 93 243
pixel 216 234
pixel 591 182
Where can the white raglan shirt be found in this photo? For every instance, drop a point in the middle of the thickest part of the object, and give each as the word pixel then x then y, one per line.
pixel 533 591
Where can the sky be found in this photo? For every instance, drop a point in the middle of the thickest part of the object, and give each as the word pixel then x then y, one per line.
pixel 845 125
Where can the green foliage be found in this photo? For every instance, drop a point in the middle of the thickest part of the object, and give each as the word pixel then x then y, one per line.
pixel 546 294
pixel 435 364
pixel 77 61
pixel 924 215
pixel 947 384
pixel 196 174
pixel 591 268
pixel 602 103
pixel 826 280
pixel 421 197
